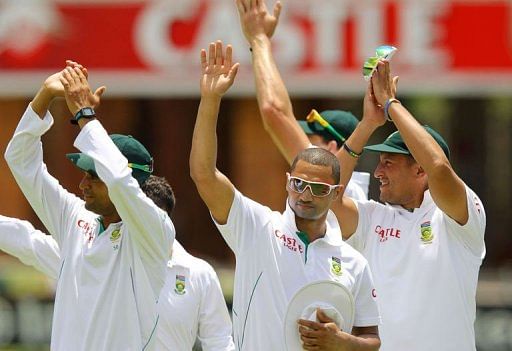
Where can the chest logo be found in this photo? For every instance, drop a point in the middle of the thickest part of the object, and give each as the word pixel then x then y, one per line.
pixel 116 234
pixel 179 288
pixel 426 233
pixel 336 266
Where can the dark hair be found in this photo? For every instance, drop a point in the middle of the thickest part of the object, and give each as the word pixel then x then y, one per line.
pixel 319 157
pixel 160 191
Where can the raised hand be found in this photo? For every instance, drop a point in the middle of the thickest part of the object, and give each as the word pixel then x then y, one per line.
pixel 77 91
pixel 384 87
pixel 255 19
pixel 218 70
pixel 373 112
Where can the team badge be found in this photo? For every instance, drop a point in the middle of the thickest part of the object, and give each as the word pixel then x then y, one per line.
pixel 336 266
pixel 426 233
pixel 180 285
pixel 116 234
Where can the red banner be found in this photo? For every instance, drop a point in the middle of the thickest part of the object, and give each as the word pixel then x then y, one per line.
pixel 143 48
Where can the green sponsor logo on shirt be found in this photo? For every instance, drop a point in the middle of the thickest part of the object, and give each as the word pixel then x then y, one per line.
pixel 180 285
pixel 116 234
pixel 426 233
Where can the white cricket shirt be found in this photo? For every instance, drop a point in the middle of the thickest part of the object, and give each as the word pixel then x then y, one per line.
pixel 425 267
pixel 273 263
pixel 357 187
pixel 109 281
pixel 194 306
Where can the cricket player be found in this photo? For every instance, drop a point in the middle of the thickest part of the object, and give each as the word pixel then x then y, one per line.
pixel 279 253
pixel 327 129
pixel 113 243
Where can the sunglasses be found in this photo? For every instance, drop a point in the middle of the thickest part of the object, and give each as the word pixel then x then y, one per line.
pixel 317 189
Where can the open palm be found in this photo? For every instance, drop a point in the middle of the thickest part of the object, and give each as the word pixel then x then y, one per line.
pixel 218 70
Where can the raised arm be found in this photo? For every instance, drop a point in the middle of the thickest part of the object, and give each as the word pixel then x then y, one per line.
pixel 151 228
pixel 273 99
pixel 447 189
pixel 218 74
pixel 24 155
pixel 373 117
pixel 32 247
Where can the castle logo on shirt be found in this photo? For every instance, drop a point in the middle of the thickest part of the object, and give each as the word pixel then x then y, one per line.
pixel 179 288
pixel 426 233
pixel 336 266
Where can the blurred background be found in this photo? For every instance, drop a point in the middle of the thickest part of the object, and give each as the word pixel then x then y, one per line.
pixel 455 67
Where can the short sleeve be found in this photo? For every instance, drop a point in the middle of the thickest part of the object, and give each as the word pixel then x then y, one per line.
pixel 367 312
pixel 245 223
pixel 359 238
pixel 471 233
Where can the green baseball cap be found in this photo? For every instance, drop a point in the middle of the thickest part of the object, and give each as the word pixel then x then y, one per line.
pixel 139 159
pixel 394 143
pixel 343 122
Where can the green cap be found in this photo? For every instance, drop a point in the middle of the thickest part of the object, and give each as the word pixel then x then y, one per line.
pixel 394 143
pixel 139 159
pixel 343 122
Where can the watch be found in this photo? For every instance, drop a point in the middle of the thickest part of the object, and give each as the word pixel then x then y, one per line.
pixel 86 112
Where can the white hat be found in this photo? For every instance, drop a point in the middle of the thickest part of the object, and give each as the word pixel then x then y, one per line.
pixel 332 297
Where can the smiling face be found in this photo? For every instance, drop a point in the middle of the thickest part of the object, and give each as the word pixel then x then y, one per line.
pixel 305 205
pixel 402 180
pixel 95 194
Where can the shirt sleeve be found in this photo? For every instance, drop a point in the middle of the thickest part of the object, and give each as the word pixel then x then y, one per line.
pixel 245 224
pixel 214 331
pixel 150 228
pixel 32 247
pixel 360 236
pixel 357 187
pixel 56 207
pixel 471 233
pixel 367 312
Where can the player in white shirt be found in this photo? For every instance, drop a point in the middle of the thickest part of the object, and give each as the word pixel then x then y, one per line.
pixel 114 243
pixel 191 304
pixel 426 243
pixel 277 254
pixel 275 105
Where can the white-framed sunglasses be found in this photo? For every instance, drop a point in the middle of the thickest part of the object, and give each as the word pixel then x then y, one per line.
pixel 317 189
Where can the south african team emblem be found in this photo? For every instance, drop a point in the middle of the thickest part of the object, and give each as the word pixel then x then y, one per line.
pixel 336 266
pixel 116 234
pixel 426 233
pixel 180 285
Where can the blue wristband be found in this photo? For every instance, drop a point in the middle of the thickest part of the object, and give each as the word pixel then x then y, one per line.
pixel 387 105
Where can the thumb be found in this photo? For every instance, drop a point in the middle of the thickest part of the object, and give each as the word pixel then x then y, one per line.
pixel 99 92
pixel 233 71
pixel 322 317
pixel 277 10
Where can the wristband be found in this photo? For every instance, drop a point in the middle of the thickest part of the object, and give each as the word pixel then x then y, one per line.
pixel 387 105
pixel 352 152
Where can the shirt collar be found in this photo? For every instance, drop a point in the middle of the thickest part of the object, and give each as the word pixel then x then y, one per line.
pixel 179 256
pixel 332 234
pixel 426 205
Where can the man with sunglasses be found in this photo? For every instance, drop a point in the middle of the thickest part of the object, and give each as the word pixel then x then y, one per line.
pixel 113 243
pixel 279 253
pixel 328 129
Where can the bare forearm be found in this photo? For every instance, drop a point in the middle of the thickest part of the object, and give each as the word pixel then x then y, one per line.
pixel 356 143
pixel 41 102
pixel 203 155
pixel 366 342
pixel 274 101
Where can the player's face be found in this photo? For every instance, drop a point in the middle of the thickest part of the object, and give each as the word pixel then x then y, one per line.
pixel 397 176
pixel 305 205
pixel 95 194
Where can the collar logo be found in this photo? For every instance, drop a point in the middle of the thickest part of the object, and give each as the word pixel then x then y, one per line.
pixel 426 233
pixel 336 266
pixel 179 288
pixel 115 235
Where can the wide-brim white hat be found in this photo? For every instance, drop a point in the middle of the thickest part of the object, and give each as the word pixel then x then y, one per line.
pixel 330 296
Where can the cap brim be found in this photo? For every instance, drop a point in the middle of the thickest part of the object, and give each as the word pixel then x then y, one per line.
pixel 305 127
pixel 82 161
pixel 325 291
pixel 386 148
